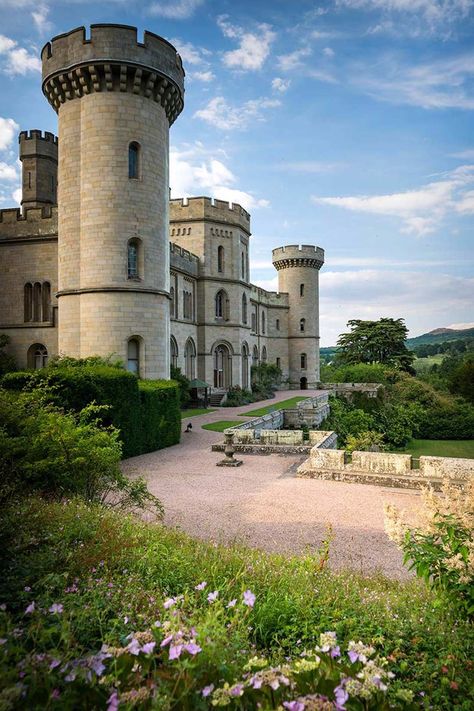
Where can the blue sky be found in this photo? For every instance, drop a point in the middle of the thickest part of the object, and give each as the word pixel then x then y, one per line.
pixel 345 123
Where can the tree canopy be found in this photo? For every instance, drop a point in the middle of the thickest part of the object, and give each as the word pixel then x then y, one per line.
pixel 380 341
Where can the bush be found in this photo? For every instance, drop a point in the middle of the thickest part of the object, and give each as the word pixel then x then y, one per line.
pixel 366 442
pixel 183 384
pixel 160 416
pixel 265 379
pixel 238 396
pixel 358 373
pixel 7 362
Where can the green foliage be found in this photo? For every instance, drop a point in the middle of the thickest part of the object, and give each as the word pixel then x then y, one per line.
pixel 356 373
pixel 265 379
pixel 380 341
pixel 61 454
pixel 112 575
pixel 346 420
pixel 239 396
pixel 7 362
pixel 369 441
pixel 183 384
pixel 461 381
pixel 160 416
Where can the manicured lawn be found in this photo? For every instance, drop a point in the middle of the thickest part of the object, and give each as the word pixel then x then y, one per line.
pixel 441 448
pixel 196 411
pixel 221 425
pixel 284 404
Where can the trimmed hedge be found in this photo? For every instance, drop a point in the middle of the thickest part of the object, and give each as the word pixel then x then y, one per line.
pixel 160 414
pixel 145 422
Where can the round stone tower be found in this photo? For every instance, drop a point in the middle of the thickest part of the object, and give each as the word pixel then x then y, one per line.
pixel 298 276
pixel 116 98
pixel 39 163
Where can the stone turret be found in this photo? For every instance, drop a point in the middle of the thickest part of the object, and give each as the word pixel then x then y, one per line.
pixel 298 275
pixel 116 98
pixel 39 162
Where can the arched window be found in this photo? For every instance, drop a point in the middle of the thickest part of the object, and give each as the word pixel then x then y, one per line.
pixel 173 352
pixel 245 366
pixel 46 301
pixel 302 324
pixel 243 265
pixel 37 356
pixel 264 354
pixel 37 302
pixel 263 321
pixel 244 308
pixel 222 367
pixel 189 359
pixel 255 356
pixel 222 305
pixel 133 258
pixel 134 160
pixel 303 361
pixel 133 356
pixel 301 289
pixel 220 259
pixel 254 321
pixel 172 302
pixel 28 302
pixel 277 324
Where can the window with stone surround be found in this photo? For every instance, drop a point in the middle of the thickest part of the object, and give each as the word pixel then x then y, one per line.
pixel 222 305
pixel 134 258
pixel 173 352
pixel 277 324
pixel 302 324
pixel 134 161
pixel 263 322
pixel 301 289
pixel 37 356
pixel 303 361
pixel 244 308
pixel 133 356
pixel 220 259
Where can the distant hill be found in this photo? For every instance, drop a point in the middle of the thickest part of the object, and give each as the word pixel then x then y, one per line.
pixel 440 335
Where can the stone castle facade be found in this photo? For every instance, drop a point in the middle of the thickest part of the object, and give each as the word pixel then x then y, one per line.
pixel 99 261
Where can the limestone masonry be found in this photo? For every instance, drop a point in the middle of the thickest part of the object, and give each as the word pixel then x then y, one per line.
pixel 100 261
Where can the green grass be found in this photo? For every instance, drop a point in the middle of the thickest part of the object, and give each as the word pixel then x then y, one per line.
pixel 440 448
pixel 221 425
pixel 192 412
pixel 284 404
pixel 423 364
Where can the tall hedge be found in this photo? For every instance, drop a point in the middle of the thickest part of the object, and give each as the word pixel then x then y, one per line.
pixel 76 387
pixel 160 413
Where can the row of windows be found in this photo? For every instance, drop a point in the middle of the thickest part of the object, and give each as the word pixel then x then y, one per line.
pixel 37 301
pixel 188 305
pixel 189 357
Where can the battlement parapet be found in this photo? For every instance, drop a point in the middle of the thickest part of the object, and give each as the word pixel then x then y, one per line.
pixel 270 298
pixel 294 255
pixel 35 143
pixel 184 260
pixel 113 59
pixel 206 208
pixel 35 221
pixel 37 134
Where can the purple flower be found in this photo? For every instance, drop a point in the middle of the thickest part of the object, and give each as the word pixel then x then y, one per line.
pixel 3 641
pixel 113 702
pixel 175 651
pixel 55 663
pixel 166 641
pixel 148 647
pixel 30 608
pixel 169 603
pixel 293 705
pixel 55 694
pixel 232 603
pixel 249 598
pixel 212 597
pixel 201 586
pixel 341 696
pixel 157 624
pixel 207 690
pixel 27 588
pixel 335 652
pixel 71 676
pixel 134 647
pixel 237 690
pixel 353 656
pixel 97 665
pixel 56 608
pixel 193 648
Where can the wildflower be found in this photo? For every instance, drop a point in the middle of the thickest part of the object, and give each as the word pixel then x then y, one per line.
pixel 55 694
pixel 166 641
pixel 3 607
pixel 125 619
pixel 71 676
pixel 341 696
pixel 249 598
pixel 30 609
pixel 232 603
pixel 236 690
pixel 193 648
pixel 27 588
pixel 175 651
pixel 148 647
pixel 169 603
pixel 207 690
pixel 134 647
pixel 157 623
pixel 293 705
pixel 54 663
pixel 327 640
pixel 56 608
pixel 335 652
pixel 3 641
pixel 454 685
pixel 201 586
pixel 212 597
pixel 113 702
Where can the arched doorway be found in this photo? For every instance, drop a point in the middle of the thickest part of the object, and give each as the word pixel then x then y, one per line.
pixel 190 359
pixel 222 367
pixel 245 366
pixel 303 383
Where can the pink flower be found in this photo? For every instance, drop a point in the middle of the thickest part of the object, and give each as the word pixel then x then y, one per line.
pixel 169 603
pixel 201 586
pixel 193 648
pixel 55 694
pixel 134 647
pixel 148 647
pixel 293 705
pixel 175 651
pixel 56 608
pixel 249 598
pixel 30 609
pixel 207 690
pixel 113 702
pixel 166 641
pixel 237 690
pixel 212 597
pixel 232 603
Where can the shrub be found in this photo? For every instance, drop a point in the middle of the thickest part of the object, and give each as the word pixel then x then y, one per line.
pixel 359 373
pixel 160 417
pixel 440 548
pixel 366 442
pixel 183 384
pixel 7 362
pixel 239 396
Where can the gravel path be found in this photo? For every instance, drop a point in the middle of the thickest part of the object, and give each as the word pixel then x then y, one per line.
pixel 264 505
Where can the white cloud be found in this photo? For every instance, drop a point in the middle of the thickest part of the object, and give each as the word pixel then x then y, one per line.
pixel 40 18
pixel 222 115
pixel 206 76
pixel 17 195
pixel 253 49
pixel 8 172
pixel 18 59
pixel 293 60
pixel 468 154
pixel 8 131
pixel 190 54
pixel 328 52
pixel 175 9
pixel 195 170
pixel 281 85
pixel 422 210
pixel 309 166
pixel 461 326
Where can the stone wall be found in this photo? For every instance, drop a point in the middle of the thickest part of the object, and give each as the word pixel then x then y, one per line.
pixel 348 389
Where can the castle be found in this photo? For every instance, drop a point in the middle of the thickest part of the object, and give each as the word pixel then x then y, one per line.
pixel 99 260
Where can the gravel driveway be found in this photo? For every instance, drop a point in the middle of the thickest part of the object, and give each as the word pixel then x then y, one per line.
pixel 264 505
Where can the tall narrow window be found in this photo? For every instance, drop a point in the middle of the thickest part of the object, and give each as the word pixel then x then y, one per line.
pixel 277 324
pixel 173 352
pixel 29 179
pixel 28 302
pixel 220 259
pixel 189 359
pixel 302 324
pixel 37 302
pixel 132 259
pixel 301 289
pixel 222 305
pixel 46 301
pixel 133 160
pixel 172 307
pixel 243 265
pixel 278 362
pixel 133 356
pixel 264 354
pixel 303 361
pixel 263 322
pixel 244 308
pixel 37 356
pixel 254 322
pixel 255 356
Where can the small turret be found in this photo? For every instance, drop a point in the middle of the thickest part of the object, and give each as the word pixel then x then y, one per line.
pixel 39 159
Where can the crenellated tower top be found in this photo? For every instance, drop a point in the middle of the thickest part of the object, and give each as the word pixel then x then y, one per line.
pixel 294 255
pixel 113 59
pixel 196 209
